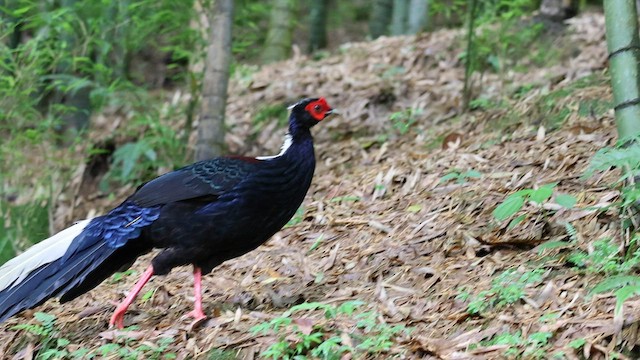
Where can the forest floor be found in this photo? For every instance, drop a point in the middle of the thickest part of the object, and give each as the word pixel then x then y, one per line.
pixel 397 248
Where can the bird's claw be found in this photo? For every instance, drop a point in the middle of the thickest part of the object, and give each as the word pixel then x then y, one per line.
pixel 117 319
pixel 197 315
pixel 199 318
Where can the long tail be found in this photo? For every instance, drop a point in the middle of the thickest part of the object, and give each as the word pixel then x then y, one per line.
pixel 75 260
pixel 47 269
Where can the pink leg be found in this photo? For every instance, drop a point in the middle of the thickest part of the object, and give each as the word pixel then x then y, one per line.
pixel 197 312
pixel 118 316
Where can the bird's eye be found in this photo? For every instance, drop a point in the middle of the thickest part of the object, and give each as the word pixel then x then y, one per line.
pixel 316 108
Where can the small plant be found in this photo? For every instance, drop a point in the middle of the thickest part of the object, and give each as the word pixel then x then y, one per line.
pixel 577 344
pixel 506 289
pixel 51 346
pixel 461 177
pixel 321 338
pixel 138 161
pixel 403 120
pixel 127 348
pixel 118 276
pixel 484 104
pixel 626 158
pixel 316 243
pixel 297 218
pixel 514 202
pixel 159 351
pixel 535 346
pixel 220 354
pixel 606 258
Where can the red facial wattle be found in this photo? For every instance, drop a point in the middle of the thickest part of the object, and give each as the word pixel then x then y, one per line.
pixel 318 109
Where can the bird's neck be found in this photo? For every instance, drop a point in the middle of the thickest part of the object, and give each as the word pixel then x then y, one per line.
pixel 300 138
pixel 298 141
pixel 297 132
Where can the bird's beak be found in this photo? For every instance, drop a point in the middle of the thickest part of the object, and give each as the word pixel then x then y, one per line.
pixel 333 112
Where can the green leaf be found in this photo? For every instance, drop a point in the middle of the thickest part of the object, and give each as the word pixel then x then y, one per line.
pixel 551 245
pixel 517 220
pixel 62 342
pixel 566 201
pixel 615 282
pixel 510 206
pixel 472 174
pixel 21 11
pixel 539 338
pixel 316 243
pixel 308 306
pixel 349 307
pixel 624 293
pixel 44 318
pixel 151 154
pixel 414 208
pixel 449 176
pixel 148 295
pixel 577 343
pixel 523 192
pixel 542 193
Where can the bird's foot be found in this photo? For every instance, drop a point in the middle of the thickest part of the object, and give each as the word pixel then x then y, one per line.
pixel 118 316
pixel 117 319
pixel 199 319
pixel 196 314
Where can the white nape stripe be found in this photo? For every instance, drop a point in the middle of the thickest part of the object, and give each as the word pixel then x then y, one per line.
pixel 44 252
pixel 287 143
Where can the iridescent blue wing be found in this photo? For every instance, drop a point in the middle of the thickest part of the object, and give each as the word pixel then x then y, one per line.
pixel 209 178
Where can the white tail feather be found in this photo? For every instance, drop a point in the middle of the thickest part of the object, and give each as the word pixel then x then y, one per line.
pixel 44 252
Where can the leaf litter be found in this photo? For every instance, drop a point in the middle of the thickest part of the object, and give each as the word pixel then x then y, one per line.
pixel 379 224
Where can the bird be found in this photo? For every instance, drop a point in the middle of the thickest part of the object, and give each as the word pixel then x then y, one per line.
pixel 200 215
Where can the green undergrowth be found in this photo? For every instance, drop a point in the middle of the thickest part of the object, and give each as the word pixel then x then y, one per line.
pixel 151 144
pixel 610 263
pixel 318 331
pixel 534 346
pixel 507 288
pixel 60 65
pixel 550 108
pixel 27 222
pixel 619 259
pixel 51 344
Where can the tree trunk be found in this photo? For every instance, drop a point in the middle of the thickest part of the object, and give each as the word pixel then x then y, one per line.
pixel 210 141
pixel 200 24
pixel 468 64
pixel 318 25
pixel 399 17
pixel 623 43
pixel 280 35
pixel 380 18
pixel 418 12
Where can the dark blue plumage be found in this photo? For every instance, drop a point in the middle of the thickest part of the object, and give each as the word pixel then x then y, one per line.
pixel 202 214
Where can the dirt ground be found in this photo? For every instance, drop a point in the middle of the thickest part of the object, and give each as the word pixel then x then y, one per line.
pixel 382 226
